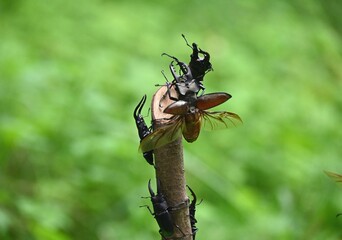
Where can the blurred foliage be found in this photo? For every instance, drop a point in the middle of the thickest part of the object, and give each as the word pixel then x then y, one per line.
pixel 72 72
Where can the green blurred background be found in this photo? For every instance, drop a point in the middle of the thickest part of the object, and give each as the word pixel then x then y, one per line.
pixel 72 72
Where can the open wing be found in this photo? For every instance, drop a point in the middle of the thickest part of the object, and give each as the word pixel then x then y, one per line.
pixel 219 120
pixel 162 136
pixel 335 176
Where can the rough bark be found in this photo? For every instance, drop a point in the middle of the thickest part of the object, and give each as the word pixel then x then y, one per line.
pixel 169 165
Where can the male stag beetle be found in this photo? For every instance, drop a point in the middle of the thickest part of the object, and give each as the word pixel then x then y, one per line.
pixel 143 130
pixel 192 211
pixel 161 211
pixel 198 66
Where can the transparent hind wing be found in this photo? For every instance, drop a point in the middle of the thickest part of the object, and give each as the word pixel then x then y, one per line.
pixel 162 136
pixel 219 120
pixel 335 176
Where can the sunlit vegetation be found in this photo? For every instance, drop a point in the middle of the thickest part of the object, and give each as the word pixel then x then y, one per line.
pixel 71 73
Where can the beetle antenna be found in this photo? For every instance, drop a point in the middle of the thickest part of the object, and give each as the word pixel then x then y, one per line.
pixel 162 71
pixel 186 41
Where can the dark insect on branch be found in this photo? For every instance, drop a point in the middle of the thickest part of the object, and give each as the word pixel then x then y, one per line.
pixel 192 212
pixel 161 212
pixel 143 130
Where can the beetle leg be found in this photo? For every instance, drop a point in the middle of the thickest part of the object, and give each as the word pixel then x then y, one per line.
pixel 184 235
pixel 167 93
pixel 180 230
pixel 161 234
pixel 149 209
pixel 167 86
pixel 186 41
pixel 179 206
pixel 167 80
pixel 174 58
pixel 201 88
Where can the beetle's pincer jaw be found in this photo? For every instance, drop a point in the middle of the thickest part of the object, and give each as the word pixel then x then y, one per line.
pixel 139 107
pixel 150 189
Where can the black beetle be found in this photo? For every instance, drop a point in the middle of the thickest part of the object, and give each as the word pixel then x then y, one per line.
pixel 192 211
pixel 143 130
pixel 198 66
pixel 161 211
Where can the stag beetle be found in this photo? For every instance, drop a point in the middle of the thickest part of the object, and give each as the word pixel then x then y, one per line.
pixel 198 66
pixel 192 211
pixel 161 211
pixel 189 107
pixel 143 130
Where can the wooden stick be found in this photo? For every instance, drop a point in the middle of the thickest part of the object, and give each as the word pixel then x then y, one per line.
pixel 169 166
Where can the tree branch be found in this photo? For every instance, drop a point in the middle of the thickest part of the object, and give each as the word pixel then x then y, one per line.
pixel 170 172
